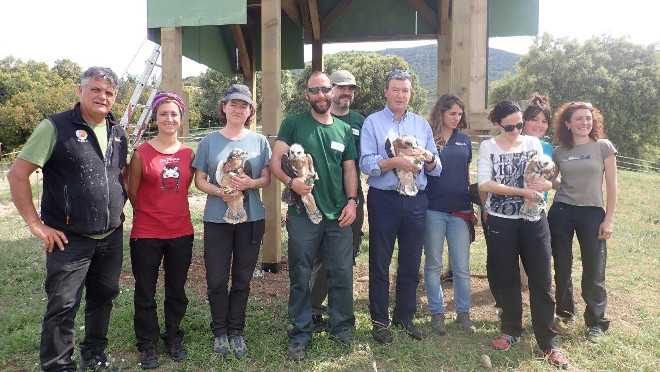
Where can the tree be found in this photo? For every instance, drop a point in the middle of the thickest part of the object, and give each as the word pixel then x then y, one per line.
pixel 618 77
pixel 370 70
pixel 24 110
pixel 68 70
pixel 213 85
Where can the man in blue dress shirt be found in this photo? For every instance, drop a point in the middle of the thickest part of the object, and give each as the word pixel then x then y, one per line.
pixel 394 216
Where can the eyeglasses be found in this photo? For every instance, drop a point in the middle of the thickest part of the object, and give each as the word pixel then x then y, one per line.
pixel 397 74
pixel 324 89
pixel 510 128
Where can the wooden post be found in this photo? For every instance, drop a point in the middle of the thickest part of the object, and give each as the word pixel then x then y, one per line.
pixel 444 49
pixel 460 50
pixel 317 55
pixel 172 54
pixel 271 39
pixel 478 56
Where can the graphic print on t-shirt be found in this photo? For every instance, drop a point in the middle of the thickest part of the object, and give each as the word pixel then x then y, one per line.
pixel 170 179
pixel 576 157
pixel 508 169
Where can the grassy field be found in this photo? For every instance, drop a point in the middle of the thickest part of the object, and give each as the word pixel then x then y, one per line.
pixel 632 344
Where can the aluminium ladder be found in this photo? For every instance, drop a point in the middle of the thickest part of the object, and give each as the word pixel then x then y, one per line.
pixel 148 76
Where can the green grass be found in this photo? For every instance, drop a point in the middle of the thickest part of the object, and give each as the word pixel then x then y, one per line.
pixel 632 344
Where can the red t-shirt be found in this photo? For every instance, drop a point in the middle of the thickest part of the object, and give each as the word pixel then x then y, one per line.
pixel 161 210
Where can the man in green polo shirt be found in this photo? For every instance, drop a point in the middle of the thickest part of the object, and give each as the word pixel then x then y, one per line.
pixel 331 144
pixel 343 91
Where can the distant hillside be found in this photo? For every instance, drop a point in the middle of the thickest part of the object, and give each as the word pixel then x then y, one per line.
pixel 423 60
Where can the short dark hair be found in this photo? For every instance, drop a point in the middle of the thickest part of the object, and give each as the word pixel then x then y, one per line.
pixel 223 117
pixel 538 103
pixel 315 73
pixel 502 110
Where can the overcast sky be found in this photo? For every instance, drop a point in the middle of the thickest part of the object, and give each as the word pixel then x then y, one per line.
pixel 111 33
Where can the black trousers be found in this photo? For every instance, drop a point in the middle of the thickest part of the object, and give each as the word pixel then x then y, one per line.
pixel 565 221
pixel 507 240
pixel 234 247
pixel 94 264
pixel 146 257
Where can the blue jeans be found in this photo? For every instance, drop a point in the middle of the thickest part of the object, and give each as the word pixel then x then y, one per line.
pixel 334 245
pixel 84 262
pixel 440 225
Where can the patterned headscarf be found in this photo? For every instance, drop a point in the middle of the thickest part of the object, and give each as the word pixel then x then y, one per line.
pixel 167 97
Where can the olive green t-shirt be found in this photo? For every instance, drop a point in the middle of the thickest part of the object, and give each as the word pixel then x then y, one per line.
pixel 39 147
pixel 329 145
pixel 582 168
pixel 356 121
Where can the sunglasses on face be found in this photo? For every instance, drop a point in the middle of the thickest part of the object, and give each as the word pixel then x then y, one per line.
pixel 510 128
pixel 315 90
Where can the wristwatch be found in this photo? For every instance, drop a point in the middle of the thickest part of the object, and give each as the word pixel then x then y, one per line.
pixel 432 160
pixel 355 199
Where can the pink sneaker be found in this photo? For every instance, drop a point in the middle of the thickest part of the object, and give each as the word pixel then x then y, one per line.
pixel 505 342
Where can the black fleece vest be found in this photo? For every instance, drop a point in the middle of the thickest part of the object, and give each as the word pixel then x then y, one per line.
pixel 84 192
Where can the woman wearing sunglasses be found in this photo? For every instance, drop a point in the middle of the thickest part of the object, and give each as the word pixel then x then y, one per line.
pixel 582 159
pixel 500 169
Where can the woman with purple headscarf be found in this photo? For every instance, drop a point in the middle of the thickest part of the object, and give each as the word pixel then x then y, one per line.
pixel 160 173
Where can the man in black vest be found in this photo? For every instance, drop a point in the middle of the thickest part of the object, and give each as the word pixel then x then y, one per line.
pixel 83 155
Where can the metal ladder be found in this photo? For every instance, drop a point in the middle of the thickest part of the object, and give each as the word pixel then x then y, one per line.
pixel 148 75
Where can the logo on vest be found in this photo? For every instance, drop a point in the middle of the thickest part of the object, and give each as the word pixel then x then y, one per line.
pixel 82 135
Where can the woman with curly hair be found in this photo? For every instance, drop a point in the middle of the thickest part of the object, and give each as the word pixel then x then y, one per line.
pixel 582 159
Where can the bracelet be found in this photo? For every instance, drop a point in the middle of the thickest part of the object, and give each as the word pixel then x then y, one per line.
pixel 290 183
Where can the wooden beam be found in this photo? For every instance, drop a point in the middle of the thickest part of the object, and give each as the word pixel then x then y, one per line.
pixel 445 22
pixel 358 39
pixel 315 19
pixel 304 13
pixel 425 11
pixel 443 83
pixel 478 55
pixel 291 10
pixel 171 41
pixel 271 67
pixel 243 54
pixel 336 14
pixel 317 55
pixel 252 81
pixel 460 49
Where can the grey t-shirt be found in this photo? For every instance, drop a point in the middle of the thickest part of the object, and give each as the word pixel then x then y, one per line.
pixel 215 148
pixel 581 169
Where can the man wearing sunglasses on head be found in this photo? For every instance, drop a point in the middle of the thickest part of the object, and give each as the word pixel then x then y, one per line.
pixel 331 144
pixel 392 215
